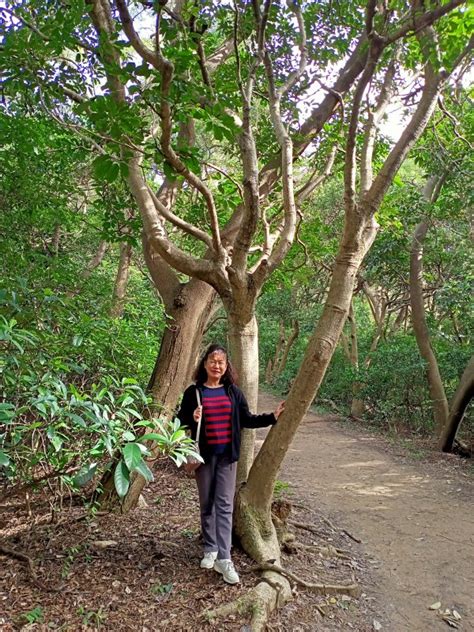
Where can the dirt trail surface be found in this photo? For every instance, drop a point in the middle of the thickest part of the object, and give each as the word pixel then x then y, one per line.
pixel 415 520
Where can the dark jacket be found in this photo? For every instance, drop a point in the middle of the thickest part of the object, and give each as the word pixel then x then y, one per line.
pixel 241 418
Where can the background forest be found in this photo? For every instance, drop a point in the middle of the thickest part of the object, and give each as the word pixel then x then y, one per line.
pixel 78 307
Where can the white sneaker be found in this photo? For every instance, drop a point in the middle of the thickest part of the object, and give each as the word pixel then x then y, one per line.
pixel 209 559
pixel 227 570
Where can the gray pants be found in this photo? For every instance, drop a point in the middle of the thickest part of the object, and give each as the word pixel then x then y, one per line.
pixel 216 486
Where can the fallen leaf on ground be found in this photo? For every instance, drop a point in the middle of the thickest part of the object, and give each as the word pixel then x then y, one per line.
pixel 103 544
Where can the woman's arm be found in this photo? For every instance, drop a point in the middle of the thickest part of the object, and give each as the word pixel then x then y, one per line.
pixel 248 419
pixel 188 405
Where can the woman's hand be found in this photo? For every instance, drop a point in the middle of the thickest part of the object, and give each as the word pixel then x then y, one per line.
pixel 279 409
pixel 197 414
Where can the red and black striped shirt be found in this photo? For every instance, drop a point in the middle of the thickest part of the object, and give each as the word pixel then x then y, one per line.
pixel 217 410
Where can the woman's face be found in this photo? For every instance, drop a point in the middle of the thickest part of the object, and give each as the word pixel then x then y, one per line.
pixel 216 364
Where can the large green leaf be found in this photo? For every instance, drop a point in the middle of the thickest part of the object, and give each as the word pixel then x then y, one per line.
pixel 132 455
pixel 143 469
pixel 121 479
pixel 85 475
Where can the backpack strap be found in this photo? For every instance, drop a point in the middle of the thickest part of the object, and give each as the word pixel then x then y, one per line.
pixel 198 399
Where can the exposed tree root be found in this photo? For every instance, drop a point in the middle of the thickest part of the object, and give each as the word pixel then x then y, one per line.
pixel 352 589
pixel 18 555
pixel 272 593
pixel 307 527
pixel 268 595
pixel 349 535
pixel 325 551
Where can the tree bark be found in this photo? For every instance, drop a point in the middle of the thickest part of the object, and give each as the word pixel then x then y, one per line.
pixel 121 280
pixel 357 404
pixel 179 349
pixel 420 328
pixel 96 260
pixel 278 370
pixel 243 342
pixel 463 395
pixel 253 507
pixel 278 349
pixel 91 266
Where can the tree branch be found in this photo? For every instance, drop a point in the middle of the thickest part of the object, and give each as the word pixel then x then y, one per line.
pixel 416 24
pixel 127 23
pixel 350 152
pixel 374 117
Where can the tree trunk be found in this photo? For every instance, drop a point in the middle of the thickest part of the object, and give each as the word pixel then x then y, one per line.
pixel 278 349
pixel 56 239
pixel 121 280
pixel 254 504
pixel 243 342
pixel 180 344
pixel 269 371
pixel 357 405
pixel 287 348
pixel 422 335
pixel 96 260
pixel 463 395
pixel 378 311
pixel 91 266
pixel 179 348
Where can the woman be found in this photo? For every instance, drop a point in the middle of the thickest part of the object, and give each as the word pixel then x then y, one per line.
pixel 221 405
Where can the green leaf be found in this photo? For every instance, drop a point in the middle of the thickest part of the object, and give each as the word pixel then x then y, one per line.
pixel 169 172
pixel 105 168
pixel 77 419
pixel 7 412
pixel 77 340
pixel 121 479
pixel 4 460
pixel 143 469
pixel 132 455
pixel 128 436
pixel 85 475
pixel 151 436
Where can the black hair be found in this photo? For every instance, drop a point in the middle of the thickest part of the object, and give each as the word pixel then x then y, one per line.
pixel 230 375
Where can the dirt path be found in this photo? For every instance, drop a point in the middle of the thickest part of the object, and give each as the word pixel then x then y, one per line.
pixel 415 519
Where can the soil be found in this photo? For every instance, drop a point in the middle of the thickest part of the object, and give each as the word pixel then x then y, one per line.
pixel 403 529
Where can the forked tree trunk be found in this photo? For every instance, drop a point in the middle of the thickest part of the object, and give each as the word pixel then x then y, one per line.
pixel 439 401
pixel 463 395
pixel 276 366
pixel 243 342
pixel 121 280
pixel 253 508
pixel 278 348
pixel 179 348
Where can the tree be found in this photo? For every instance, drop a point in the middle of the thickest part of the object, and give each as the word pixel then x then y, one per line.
pixel 448 161
pixel 138 124
pixel 254 502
